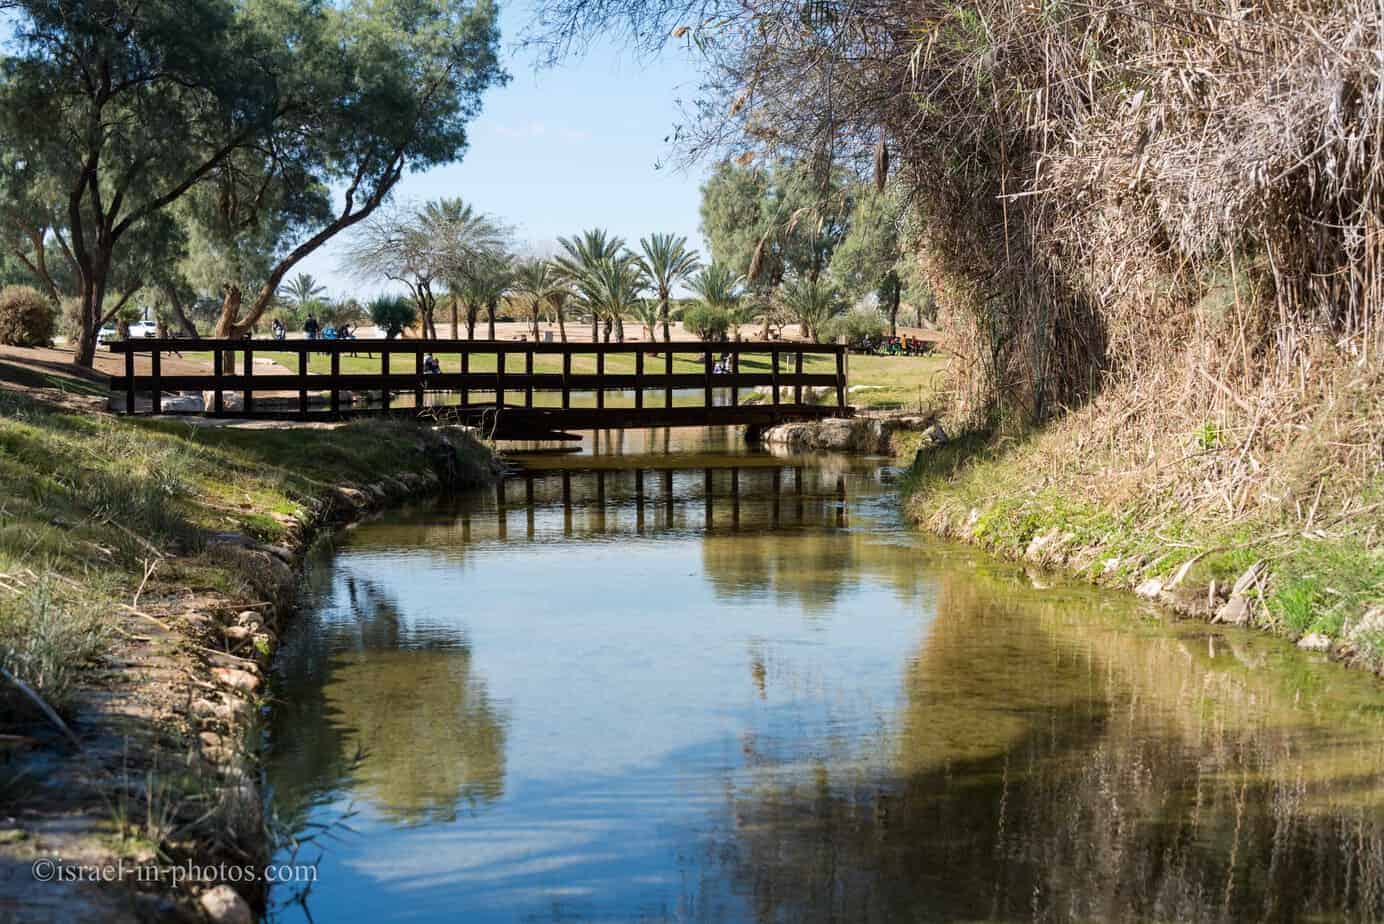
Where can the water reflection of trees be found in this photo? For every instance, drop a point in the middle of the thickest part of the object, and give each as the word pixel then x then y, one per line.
pixel 395 713
pixel 1053 768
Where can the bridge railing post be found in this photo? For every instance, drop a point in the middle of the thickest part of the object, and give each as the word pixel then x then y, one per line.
pixel 639 381
pixel 840 376
pixel 668 371
pixel 798 370
pixel 418 380
pixel 499 379
pixel 774 370
pixel 600 371
pixel 336 387
pixel 248 370
pixel 528 387
pixel 130 382
pixel 218 359
pixel 707 367
pixel 303 383
pixel 156 389
pixel 566 380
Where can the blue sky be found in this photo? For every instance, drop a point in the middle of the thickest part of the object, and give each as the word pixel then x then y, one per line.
pixel 563 149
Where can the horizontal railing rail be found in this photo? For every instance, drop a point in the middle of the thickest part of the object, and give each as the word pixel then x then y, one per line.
pixel 511 384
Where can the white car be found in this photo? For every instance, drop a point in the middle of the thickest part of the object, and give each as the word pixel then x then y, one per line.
pixel 137 329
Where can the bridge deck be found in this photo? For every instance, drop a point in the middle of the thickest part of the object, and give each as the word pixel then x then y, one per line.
pixel 512 397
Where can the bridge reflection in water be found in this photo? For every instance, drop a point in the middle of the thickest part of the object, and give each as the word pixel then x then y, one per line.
pixel 647 501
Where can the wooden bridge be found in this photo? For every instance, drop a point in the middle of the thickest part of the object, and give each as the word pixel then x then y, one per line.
pixel 510 389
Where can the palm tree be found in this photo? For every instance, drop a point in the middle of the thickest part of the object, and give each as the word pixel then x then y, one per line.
pixel 720 288
pixel 583 254
pixel 612 287
pixel 667 261
pixel 537 283
pixel 302 289
pixel 646 312
pixel 484 285
pixel 811 304
pixel 494 278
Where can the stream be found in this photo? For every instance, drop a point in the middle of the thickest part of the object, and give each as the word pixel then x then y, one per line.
pixel 673 678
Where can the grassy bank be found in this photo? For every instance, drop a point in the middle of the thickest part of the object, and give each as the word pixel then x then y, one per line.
pixel 144 565
pixel 1281 492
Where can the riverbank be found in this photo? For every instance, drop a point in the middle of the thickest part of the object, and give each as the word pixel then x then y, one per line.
pixel 145 570
pixel 1267 510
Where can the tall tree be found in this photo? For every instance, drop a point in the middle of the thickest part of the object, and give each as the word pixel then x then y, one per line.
pixel 611 287
pixel 122 108
pixel 93 100
pixel 582 256
pixel 867 260
pixel 537 283
pixel 401 98
pixel 302 289
pixel 666 260
pixel 719 288
pixel 777 222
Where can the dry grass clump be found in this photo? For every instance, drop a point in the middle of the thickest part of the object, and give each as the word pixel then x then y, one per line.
pixel 1098 186
pixel 1128 179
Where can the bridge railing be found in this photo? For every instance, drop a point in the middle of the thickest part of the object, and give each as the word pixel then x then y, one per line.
pixel 479 375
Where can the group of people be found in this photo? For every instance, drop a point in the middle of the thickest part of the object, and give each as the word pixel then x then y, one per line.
pixel 895 346
pixel 314 330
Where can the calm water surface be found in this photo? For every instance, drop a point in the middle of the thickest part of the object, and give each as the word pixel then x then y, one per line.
pixel 671 679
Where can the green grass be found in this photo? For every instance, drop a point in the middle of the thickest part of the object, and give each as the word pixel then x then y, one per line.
pixel 1321 585
pixel 982 488
pixel 87 500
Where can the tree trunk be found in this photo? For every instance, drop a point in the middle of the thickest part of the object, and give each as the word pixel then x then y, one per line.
pixel 490 318
pixel 663 315
pixel 227 323
pixel 456 319
pixel 894 307
pixel 86 346
pixel 561 325
pixel 189 329
pixel 535 322
pixel 595 327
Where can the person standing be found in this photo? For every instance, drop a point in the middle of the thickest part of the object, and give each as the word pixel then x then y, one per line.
pixel 310 327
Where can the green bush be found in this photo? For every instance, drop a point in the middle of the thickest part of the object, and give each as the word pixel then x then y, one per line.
pixel 393 314
pixel 855 325
pixel 706 323
pixel 26 317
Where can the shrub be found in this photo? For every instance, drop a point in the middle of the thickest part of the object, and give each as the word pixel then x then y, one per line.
pixel 855 326
pixel 706 323
pixel 26 317
pixel 393 314
pixel 70 317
